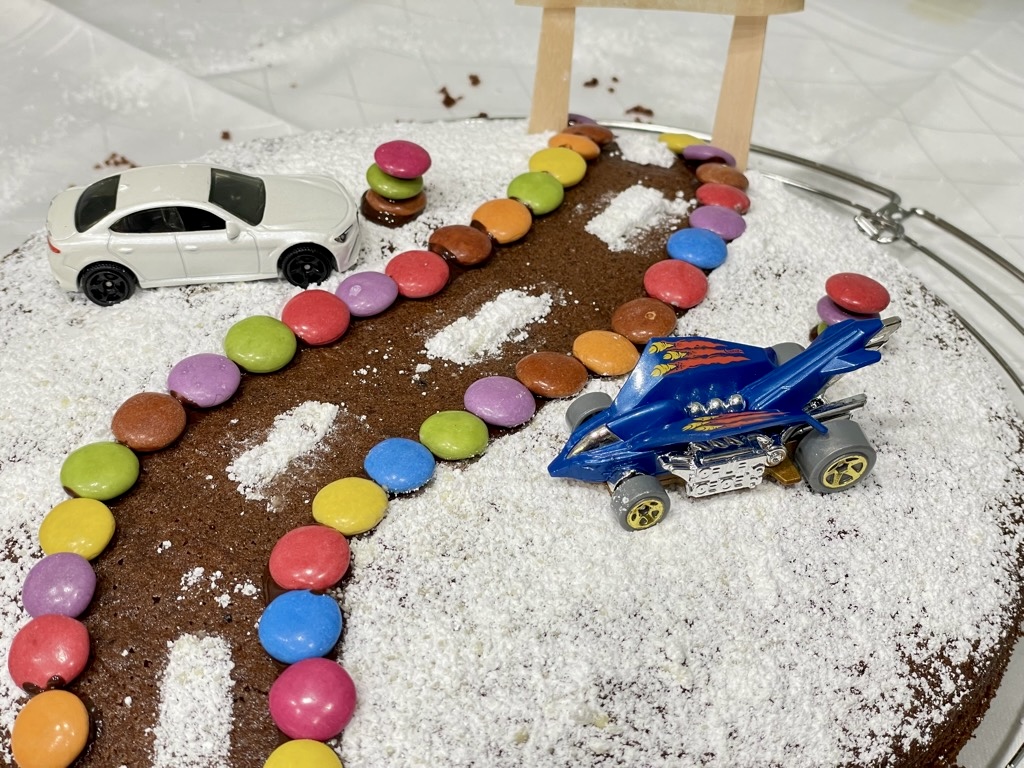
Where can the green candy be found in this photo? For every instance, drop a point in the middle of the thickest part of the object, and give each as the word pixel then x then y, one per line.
pixel 537 190
pixel 392 187
pixel 454 435
pixel 100 471
pixel 260 344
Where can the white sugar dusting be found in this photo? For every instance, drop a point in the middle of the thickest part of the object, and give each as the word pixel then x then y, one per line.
pixel 194 725
pixel 632 212
pixel 295 433
pixel 505 318
pixel 644 149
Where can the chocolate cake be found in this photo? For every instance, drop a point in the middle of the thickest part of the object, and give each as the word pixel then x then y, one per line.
pixel 499 616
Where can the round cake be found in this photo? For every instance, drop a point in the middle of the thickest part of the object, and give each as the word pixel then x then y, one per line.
pixel 499 616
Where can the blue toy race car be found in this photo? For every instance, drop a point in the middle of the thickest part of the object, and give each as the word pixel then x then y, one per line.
pixel 719 416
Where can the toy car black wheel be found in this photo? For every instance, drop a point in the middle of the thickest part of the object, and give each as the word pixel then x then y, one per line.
pixel 786 351
pixel 585 406
pixel 837 459
pixel 304 265
pixel 639 502
pixel 106 283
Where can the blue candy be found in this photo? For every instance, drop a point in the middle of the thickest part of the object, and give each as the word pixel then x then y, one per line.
pixel 700 247
pixel 300 625
pixel 399 465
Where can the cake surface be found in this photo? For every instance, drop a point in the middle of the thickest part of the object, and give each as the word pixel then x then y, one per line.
pixel 499 616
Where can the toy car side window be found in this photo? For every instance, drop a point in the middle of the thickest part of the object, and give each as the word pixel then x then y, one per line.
pixel 198 220
pixel 148 222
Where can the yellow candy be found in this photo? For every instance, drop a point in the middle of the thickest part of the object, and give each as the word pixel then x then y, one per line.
pixel 303 753
pixel 351 505
pixel 565 165
pixel 50 731
pixel 677 142
pixel 82 526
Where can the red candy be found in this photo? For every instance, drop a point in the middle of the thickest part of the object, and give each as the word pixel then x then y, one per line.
pixel 418 274
pixel 48 652
pixel 857 293
pixel 317 317
pixel 402 159
pixel 312 557
pixel 723 195
pixel 677 283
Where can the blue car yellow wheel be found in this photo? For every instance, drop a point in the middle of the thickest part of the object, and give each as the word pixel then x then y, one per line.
pixel 640 502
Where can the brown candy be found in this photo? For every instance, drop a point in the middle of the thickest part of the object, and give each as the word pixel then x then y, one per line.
pixel 550 374
pixel 465 245
pixel 720 173
pixel 391 213
pixel 640 320
pixel 148 421
pixel 596 133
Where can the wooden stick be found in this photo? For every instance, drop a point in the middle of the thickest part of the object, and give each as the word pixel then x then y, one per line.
pixel 550 108
pixel 734 118
pixel 726 7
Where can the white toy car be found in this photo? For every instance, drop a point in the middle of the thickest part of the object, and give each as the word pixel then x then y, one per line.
pixel 197 223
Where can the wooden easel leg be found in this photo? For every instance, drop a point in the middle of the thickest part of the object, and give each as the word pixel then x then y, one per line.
pixel 734 119
pixel 550 108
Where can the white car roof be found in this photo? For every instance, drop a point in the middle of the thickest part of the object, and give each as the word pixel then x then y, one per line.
pixel 163 183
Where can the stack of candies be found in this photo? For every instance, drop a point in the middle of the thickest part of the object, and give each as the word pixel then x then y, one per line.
pixel 849 295
pixel 395 196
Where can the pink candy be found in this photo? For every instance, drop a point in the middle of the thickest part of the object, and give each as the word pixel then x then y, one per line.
pixel 402 159
pixel 313 699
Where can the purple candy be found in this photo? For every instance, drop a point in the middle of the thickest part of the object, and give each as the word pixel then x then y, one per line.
pixel 575 119
pixel 703 152
pixel 724 222
pixel 831 313
pixel 367 293
pixel 204 380
pixel 501 401
pixel 63 583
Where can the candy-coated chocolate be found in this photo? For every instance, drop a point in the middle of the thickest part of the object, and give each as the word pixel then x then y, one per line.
pixel 399 465
pixel 567 166
pixel 640 320
pixel 402 159
pixel 351 505
pixel 100 471
pixel 83 526
pixel 148 421
pixel 701 247
pixel 500 400
pixel 61 583
pixel 309 557
pixel 723 195
pixel 391 213
pixel 857 293
pixel 831 313
pixel 677 142
pixel 367 293
pixel 702 153
pixel 676 283
pixel 720 173
pixel 303 753
pixel 578 119
pixel 392 187
pixel 48 652
pixel 315 316
pixel 585 147
pixel 596 133
pixel 454 435
pixel 724 222
pixel 537 190
pixel 312 699
pixel 260 344
pixel 551 374
pixel 204 380
pixel 606 353
pixel 503 219
pixel 418 274
pixel 300 625
pixel 50 731
pixel 465 245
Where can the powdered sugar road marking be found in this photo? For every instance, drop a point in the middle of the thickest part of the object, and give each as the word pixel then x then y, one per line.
pixel 632 212
pixel 194 726
pixel 294 433
pixel 470 339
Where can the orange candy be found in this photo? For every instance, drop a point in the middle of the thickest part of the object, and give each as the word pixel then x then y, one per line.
pixel 581 145
pixel 605 353
pixel 504 219
pixel 50 731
